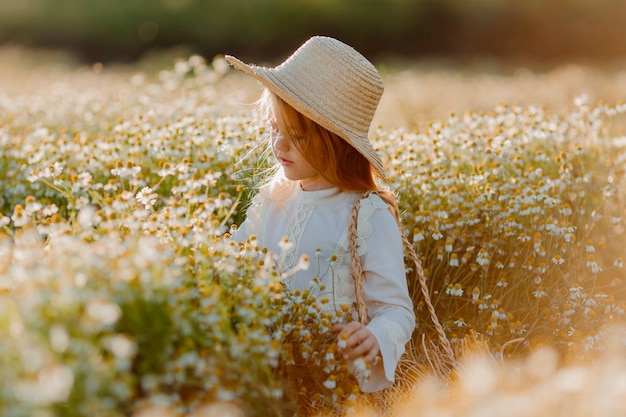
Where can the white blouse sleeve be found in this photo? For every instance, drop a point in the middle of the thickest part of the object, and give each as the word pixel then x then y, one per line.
pixel 389 306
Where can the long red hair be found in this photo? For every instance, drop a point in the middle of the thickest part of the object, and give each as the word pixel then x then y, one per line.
pixel 331 156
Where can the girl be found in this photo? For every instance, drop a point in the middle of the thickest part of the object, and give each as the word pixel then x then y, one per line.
pixel 320 103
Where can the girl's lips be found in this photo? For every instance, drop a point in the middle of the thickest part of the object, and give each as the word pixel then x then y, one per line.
pixel 284 161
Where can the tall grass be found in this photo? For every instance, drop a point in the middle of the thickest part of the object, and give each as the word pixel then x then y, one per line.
pixel 121 293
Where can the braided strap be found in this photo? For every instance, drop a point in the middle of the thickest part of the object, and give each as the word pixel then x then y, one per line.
pixel 445 343
pixel 357 269
pixel 357 275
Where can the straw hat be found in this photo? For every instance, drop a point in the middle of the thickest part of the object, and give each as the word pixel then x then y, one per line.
pixel 330 83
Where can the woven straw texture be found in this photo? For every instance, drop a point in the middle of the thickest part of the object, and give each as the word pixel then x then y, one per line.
pixel 330 83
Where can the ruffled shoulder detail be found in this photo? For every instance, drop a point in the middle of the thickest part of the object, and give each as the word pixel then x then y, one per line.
pixel 275 193
pixel 369 205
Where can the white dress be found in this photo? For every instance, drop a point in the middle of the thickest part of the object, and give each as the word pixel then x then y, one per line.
pixel 316 224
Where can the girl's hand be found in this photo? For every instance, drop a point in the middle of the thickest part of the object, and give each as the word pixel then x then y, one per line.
pixel 355 340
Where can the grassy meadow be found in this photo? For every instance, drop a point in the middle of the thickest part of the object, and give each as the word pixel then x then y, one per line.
pixel 121 294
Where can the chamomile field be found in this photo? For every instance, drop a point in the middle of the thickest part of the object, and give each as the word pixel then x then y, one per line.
pixel 122 295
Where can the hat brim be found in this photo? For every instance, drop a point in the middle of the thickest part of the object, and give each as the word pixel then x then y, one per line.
pixel 267 77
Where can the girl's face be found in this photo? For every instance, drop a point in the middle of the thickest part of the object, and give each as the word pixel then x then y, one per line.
pixel 294 165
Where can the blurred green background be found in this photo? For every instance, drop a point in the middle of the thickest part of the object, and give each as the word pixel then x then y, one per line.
pixel 125 30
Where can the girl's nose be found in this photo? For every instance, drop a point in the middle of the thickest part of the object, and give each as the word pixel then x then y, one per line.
pixel 279 142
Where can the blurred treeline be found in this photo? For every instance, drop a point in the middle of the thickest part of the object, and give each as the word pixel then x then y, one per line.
pixel 124 30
